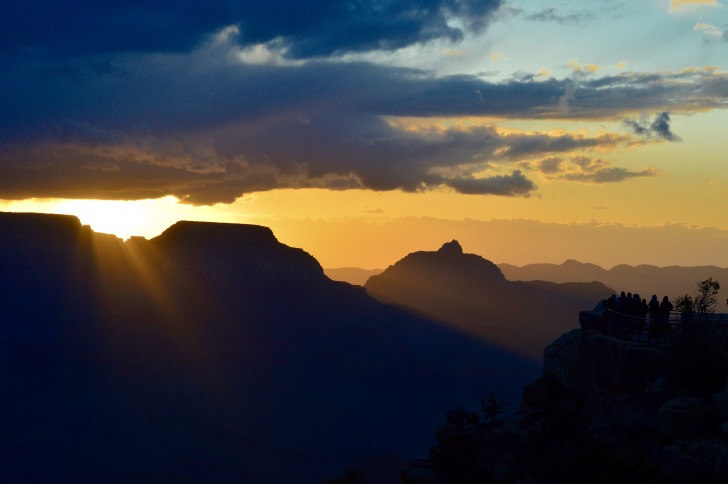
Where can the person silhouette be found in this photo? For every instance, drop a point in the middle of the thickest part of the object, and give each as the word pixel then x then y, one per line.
pixel 664 310
pixel 653 307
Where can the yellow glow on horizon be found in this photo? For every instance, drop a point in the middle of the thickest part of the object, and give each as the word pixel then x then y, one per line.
pixel 121 218
pixel 342 228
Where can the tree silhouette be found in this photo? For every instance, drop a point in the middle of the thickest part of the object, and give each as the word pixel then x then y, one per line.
pixel 706 298
pixel 703 302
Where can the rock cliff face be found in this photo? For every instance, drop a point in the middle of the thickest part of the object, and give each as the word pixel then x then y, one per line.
pixel 631 388
pixel 211 353
pixel 603 362
pixel 605 410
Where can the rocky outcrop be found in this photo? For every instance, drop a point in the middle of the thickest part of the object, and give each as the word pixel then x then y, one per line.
pixel 447 267
pixel 605 410
pixel 622 366
pixel 470 293
pixel 561 360
pixel 627 389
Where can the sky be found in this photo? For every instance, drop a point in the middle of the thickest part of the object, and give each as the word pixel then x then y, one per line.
pixel 360 131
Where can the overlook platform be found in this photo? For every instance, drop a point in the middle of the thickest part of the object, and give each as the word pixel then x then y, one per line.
pixel 663 331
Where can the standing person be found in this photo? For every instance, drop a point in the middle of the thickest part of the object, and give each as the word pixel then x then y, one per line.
pixel 661 327
pixel 622 306
pixel 664 310
pixel 653 307
pixel 612 303
pixel 644 309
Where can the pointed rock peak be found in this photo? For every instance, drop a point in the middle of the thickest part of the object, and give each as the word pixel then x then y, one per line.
pixel 452 247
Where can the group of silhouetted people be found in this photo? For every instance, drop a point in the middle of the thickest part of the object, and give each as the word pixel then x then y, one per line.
pixel 628 316
pixel 659 311
pixel 633 305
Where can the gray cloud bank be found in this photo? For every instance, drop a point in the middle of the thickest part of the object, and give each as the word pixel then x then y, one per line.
pixel 194 120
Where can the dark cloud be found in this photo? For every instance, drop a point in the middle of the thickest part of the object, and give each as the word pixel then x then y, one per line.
pixel 550 166
pixel 586 164
pixel 580 168
pixel 206 127
pixel 515 184
pixel 364 25
pixel 659 128
pixel 52 30
pixel 554 15
pixel 211 87
pixel 519 146
pixel 330 151
pixel 66 29
pixel 551 14
pixel 637 127
pixel 609 175
pixel 612 96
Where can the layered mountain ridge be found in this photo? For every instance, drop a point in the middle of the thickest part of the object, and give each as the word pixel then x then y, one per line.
pixel 212 352
pixel 643 279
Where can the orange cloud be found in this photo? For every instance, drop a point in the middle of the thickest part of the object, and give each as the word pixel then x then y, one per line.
pixel 679 4
pixel 586 68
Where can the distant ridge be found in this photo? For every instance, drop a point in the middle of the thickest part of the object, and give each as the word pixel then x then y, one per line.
pixel 352 275
pixel 643 279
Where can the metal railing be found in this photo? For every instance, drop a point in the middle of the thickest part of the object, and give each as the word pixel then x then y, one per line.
pixel 661 330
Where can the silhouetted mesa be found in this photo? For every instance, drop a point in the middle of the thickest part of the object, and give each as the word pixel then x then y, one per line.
pixel 212 353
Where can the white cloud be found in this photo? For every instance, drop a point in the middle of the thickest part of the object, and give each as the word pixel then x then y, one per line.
pixel 708 29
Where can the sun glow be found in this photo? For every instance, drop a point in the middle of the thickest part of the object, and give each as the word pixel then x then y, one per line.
pixel 121 218
pixel 147 218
